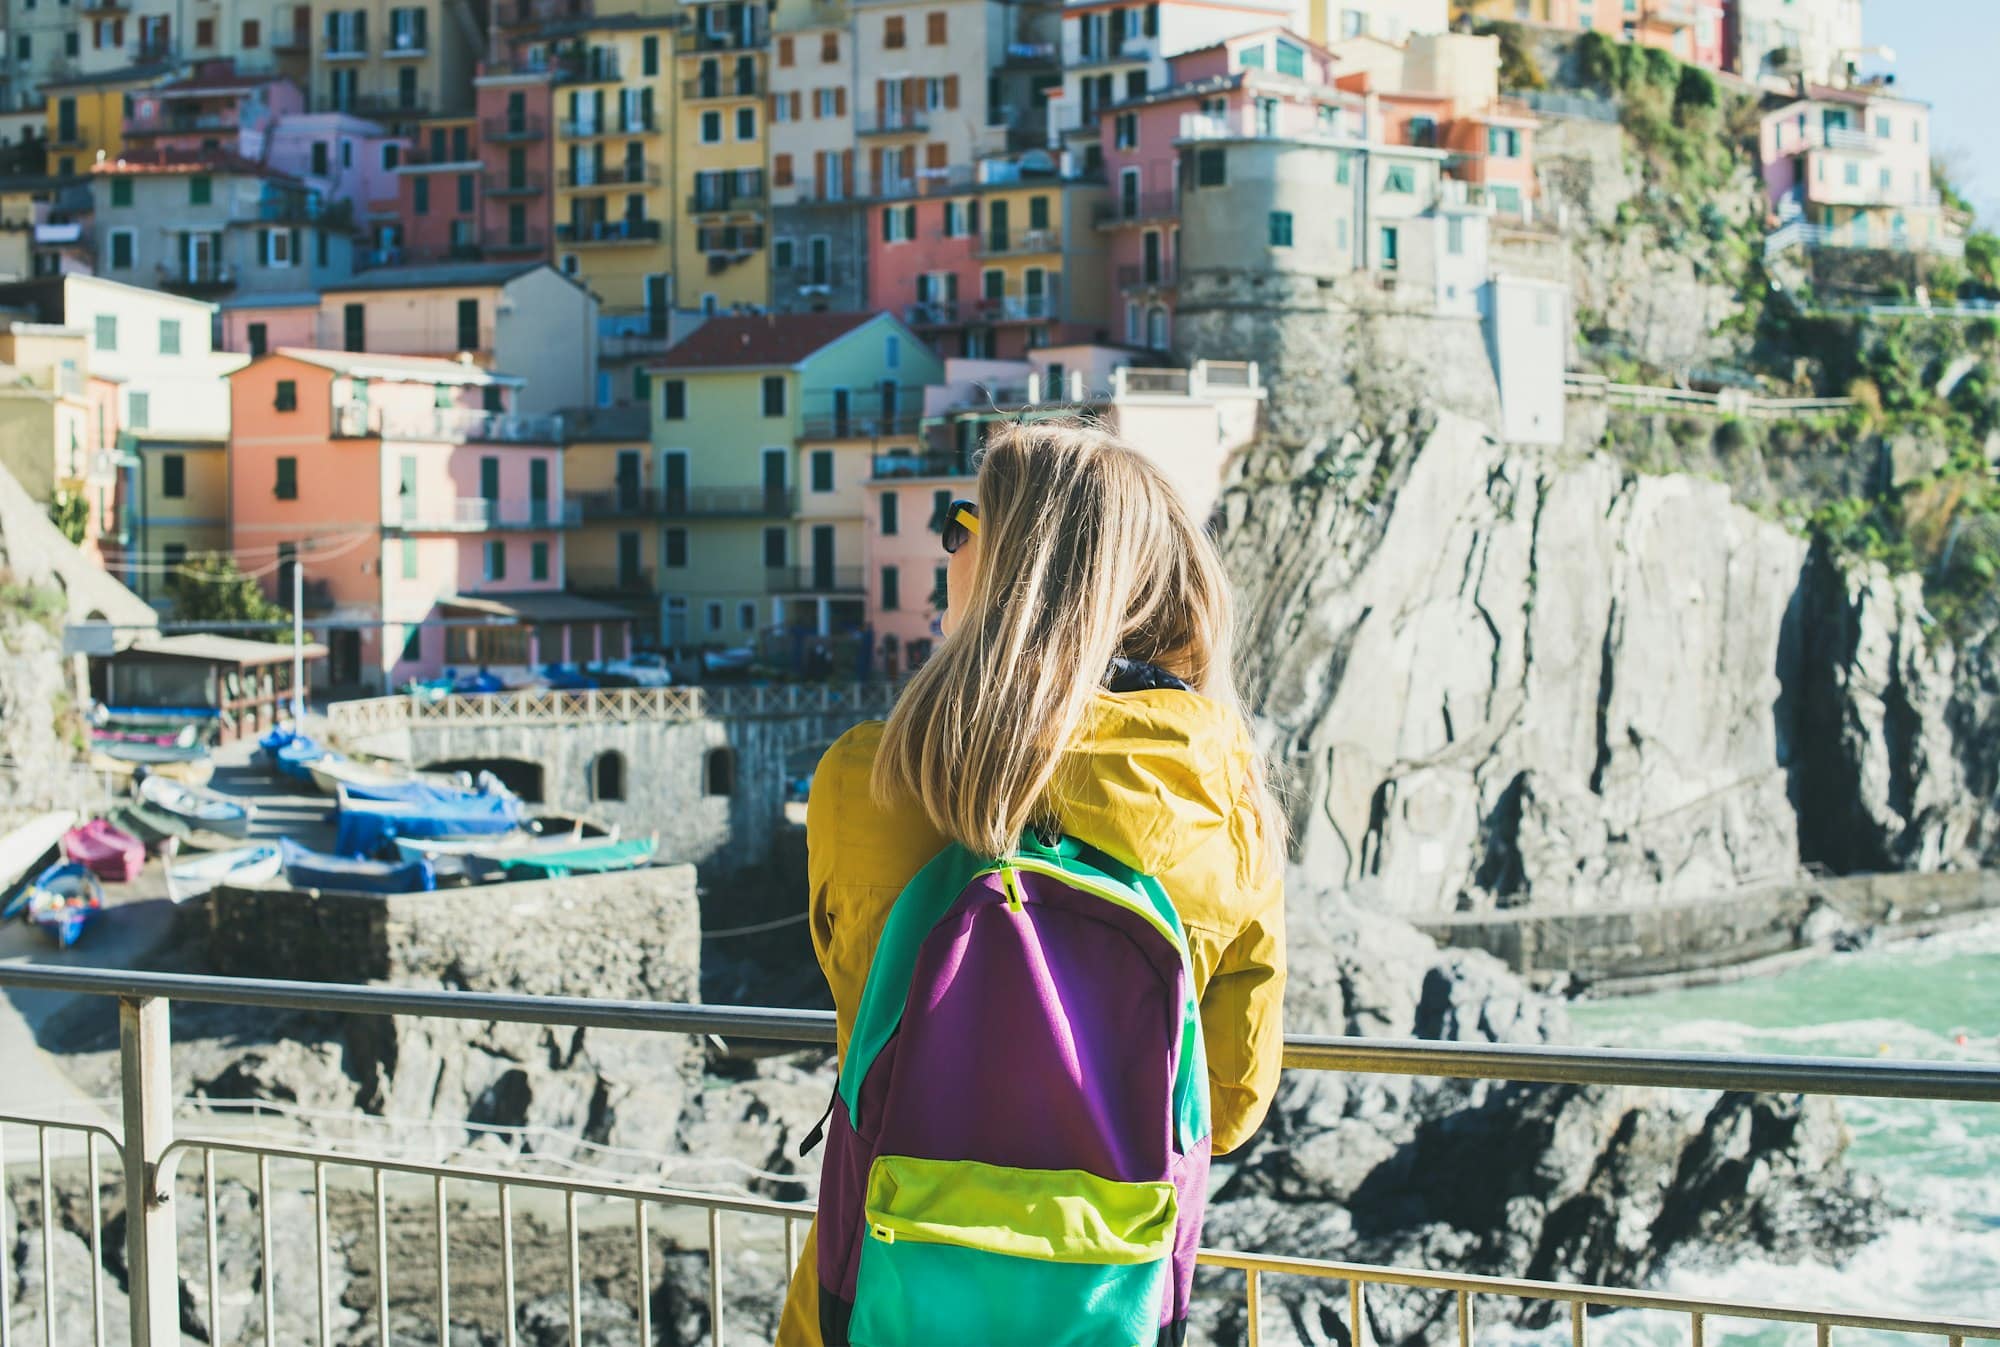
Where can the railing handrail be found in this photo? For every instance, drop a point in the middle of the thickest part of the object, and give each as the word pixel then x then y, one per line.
pixel 1539 1063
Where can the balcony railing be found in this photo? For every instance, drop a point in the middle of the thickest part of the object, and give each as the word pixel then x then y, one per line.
pixel 1159 276
pixel 937 313
pixel 622 173
pixel 1020 308
pixel 506 129
pixel 732 85
pixel 889 467
pixel 634 122
pixel 695 502
pixel 860 425
pixel 479 515
pixel 392 104
pixel 813 579
pixel 752 32
pixel 207 276
pixel 1145 208
pixel 452 425
pixel 1019 242
pixel 168 123
pixel 502 242
pixel 609 232
pixel 290 40
pixel 506 184
pixel 612 581
pixel 630 332
pixel 891 121
pixel 602 69
pixel 726 202
pixel 174 1160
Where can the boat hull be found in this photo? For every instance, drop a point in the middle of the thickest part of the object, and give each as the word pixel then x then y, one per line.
pixel 206 810
pixel 244 865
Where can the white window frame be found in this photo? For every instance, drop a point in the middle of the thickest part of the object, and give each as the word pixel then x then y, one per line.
pixel 281 249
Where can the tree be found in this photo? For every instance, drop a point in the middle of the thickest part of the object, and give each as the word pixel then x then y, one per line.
pixel 212 588
pixel 69 511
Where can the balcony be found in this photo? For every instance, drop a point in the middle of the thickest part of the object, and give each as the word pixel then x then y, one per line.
pixel 808 280
pixel 892 467
pixel 204 279
pixel 622 421
pixel 892 121
pixel 618 174
pixel 609 233
pixel 441 337
pixel 173 122
pixel 813 579
pixel 636 124
pixel 414 103
pixel 751 34
pixel 513 14
pixel 624 333
pixel 1146 208
pixel 175 1149
pixel 344 47
pixel 859 425
pixel 1020 308
pixel 612 581
pixel 725 203
pixel 734 86
pixel 290 41
pixel 1131 51
pixel 1159 276
pixel 507 185
pixel 103 9
pixel 938 313
pixel 406 46
pixel 502 243
pixel 448 425
pixel 1024 243
pixel 618 505
pixel 479 515
pixel 510 130
pixel 66 138
pixel 601 67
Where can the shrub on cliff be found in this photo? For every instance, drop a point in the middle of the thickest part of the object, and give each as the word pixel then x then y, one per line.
pixel 212 588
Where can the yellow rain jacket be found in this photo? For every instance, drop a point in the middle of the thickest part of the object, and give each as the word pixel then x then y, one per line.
pixel 1165 788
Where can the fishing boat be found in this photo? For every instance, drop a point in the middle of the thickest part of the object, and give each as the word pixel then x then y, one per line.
pixel 477 849
pixel 333 770
pixel 62 900
pixel 209 810
pixel 190 764
pixel 243 865
pixel 108 850
pixel 594 856
pixel 372 818
pixel 288 753
pixel 25 850
pixel 344 874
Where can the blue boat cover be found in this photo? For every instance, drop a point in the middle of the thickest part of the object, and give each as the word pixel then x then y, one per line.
pixel 374 816
pixel 316 870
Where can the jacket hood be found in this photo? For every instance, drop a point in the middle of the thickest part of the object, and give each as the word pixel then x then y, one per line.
pixel 1152 777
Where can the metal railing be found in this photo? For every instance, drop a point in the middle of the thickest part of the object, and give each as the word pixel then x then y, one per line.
pixel 609 231
pixel 1800 234
pixel 514 128
pixel 148 1153
pixel 450 425
pixel 616 173
pixel 737 84
pixel 1729 402
pixel 506 183
pixel 475 514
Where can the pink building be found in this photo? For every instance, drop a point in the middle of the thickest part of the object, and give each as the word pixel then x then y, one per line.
pixel 215 108
pixel 421 507
pixel 344 158
pixel 514 139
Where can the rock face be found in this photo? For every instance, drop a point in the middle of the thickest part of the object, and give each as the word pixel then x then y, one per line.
pixel 1498 676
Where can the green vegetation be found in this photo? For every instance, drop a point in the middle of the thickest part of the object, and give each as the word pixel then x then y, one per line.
pixel 69 511
pixel 211 588
pixel 1519 70
pixel 42 604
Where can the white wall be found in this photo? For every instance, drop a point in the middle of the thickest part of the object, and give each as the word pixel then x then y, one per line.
pixel 546 332
pixel 1527 327
pixel 185 392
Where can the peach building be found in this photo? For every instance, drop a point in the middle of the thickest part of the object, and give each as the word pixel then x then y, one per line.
pixel 430 519
pixel 1190 422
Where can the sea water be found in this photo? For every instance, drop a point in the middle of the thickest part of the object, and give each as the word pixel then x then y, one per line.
pixel 1935 1000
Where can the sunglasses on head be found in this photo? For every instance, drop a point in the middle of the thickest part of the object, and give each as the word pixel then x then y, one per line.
pixel 961 523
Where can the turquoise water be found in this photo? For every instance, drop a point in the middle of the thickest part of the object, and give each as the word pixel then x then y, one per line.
pixel 1936 1000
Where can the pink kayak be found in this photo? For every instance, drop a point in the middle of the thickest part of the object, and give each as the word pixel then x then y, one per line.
pixel 107 851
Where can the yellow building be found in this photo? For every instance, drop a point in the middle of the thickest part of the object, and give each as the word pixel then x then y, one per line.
pixel 393 60
pixel 722 63
pixel 86 115
pixel 179 500
pixel 1040 259
pixel 614 206
pixel 615 554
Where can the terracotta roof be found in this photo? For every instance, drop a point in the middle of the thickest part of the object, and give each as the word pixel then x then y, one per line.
pixel 149 162
pixel 220 77
pixel 760 339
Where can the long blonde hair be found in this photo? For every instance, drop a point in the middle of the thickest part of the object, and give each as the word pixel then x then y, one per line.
pixel 1086 554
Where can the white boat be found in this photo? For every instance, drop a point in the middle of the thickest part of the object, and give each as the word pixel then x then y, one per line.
pixel 335 770
pixel 505 844
pixel 22 850
pixel 244 865
pixel 197 807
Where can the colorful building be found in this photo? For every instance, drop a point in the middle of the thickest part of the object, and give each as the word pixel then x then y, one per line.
pixel 1115 52
pixel 393 60
pixel 508 317
pixel 1779 42
pixel 515 137
pixel 412 493
pixel 745 545
pixel 215 108
pixel 819 243
pixel 351 162
pixel 176 504
pixel 720 157
pixel 86 114
pixel 1851 168
pixel 53 439
pixel 614 554
pixel 1396 21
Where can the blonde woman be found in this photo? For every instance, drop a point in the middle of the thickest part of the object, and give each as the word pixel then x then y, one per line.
pixel 1080 706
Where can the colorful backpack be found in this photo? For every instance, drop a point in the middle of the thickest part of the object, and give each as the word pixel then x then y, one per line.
pixel 1020 1141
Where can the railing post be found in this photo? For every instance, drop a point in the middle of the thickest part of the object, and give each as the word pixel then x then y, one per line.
pixel 147 1082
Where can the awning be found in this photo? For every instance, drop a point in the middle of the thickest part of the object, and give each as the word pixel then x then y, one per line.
pixel 224 649
pixel 536 607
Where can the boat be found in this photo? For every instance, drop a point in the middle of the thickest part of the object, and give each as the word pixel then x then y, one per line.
pixel 62 899
pixel 108 850
pixel 480 684
pixel 190 765
pixel 243 865
pixel 26 850
pixel 209 810
pixel 308 869
pixel 152 827
pixel 374 817
pixel 333 770
pixel 487 848
pixel 595 856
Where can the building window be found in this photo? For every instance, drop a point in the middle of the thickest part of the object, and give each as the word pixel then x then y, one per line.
pixel 409 558
pixel 123 249
pixel 106 326
pixel 607 776
pixel 121 191
pixel 287 486
pixel 649 56
pixel 538 561
pixel 718 772
pixel 1503 142
pixel 889 518
pixel 420 195
pixel 711 128
pixel 1281 229
pixel 1400 178
pixel 746 123
pixel 139 410
pixel 675 548
pixel 1210 168
pixel 170 336
pixel 673 399
pixel 822 470
pixel 892 31
pixel 935 28
pixel 1454 235
pixel 413 644
pixel 1125 131
pixel 829 48
pixel 258 339
pixel 746 615
pixel 774 395
pixel 464 193
pixel 496 560
pixel 201 190
pixel 1391 249
pixel 892 590
pixel 775 548
pixel 711 615
pixel 288 395
pixel 173 476
pixel 1291 59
